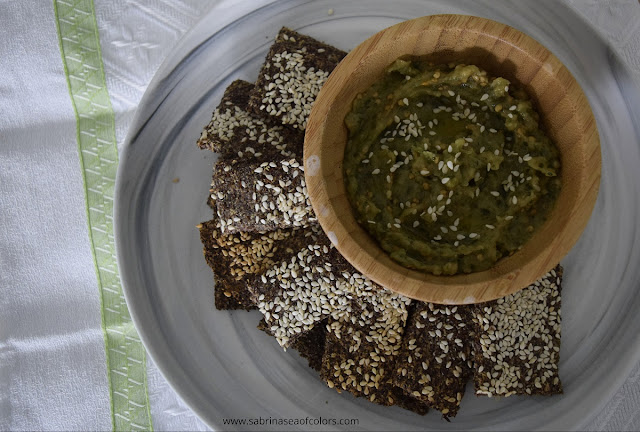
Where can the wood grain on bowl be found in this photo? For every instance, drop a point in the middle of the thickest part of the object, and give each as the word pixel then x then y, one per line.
pixel 502 51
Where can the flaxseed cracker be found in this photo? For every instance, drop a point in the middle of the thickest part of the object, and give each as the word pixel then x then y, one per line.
pixel 361 372
pixel 293 295
pixel 217 133
pixel 229 293
pixel 362 343
pixel 435 360
pixel 361 351
pixel 314 284
pixel 238 135
pixel 236 258
pixel 294 70
pixel 261 196
pixel 517 343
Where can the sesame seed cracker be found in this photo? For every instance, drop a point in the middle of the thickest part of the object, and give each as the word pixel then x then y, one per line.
pixel 238 135
pixel 295 69
pixel 517 343
pixel 435 360
pixel 261 196
pixel 236 258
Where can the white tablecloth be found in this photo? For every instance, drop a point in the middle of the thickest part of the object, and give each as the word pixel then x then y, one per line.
pixel 53 371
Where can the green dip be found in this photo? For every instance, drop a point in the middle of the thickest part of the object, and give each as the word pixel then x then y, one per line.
pixel 447 167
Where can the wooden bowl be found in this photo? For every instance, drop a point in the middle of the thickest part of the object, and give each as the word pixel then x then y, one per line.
pixel 502 51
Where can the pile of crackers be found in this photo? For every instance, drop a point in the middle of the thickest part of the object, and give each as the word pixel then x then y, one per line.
pixel 268 253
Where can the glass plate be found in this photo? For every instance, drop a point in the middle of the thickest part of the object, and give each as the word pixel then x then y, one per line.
pixel 220 364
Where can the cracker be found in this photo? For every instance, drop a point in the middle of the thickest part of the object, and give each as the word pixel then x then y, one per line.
pixel 261 196
pixel 295 69
pixel 242 136
pixel 236 258
pixel 286 292
pixel 229 294
pixel 317 282
pixel 356 360
pixel 517 344
pixel 363 340
pixel 435 360
pixel 361 372
pixel 311 345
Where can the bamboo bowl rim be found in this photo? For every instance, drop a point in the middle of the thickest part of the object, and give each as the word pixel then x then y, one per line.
pixel 502 51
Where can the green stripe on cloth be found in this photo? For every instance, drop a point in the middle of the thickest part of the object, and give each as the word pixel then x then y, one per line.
pixel 126 357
